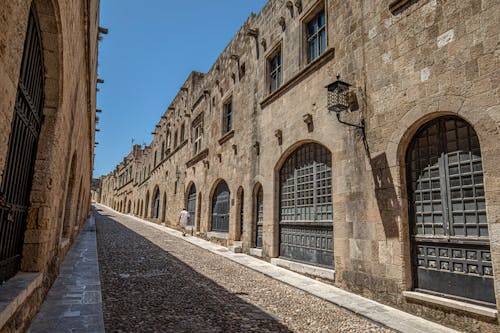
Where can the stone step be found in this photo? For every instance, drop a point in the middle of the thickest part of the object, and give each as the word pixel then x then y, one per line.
pixel 237 247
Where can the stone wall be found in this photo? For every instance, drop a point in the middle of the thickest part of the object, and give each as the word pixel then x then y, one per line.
pixel 57 210
pixel 427 59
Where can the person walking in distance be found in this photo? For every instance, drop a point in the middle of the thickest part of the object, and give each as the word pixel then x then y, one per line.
pixel 184 220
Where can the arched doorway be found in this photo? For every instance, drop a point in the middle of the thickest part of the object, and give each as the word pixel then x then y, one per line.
pixel 220 208
pixel 23 141
pixel 258 215
pixel 129 209
pixel 156 204
pixel 306 213
pixel 191 204
pixel 447 212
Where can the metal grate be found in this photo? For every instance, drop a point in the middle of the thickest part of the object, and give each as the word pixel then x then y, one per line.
pixel 220 208
pixel 448 212
pixel 260 218
pixel 23 141
pixel 306 213
pixel 191 204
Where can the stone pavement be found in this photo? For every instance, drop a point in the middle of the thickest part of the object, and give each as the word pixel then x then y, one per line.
pixel 331 302
pixel 74 304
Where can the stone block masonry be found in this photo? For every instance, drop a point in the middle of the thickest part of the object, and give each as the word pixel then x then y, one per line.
pixel 257 156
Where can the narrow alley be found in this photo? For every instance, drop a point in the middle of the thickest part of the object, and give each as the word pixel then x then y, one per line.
pixel 152 281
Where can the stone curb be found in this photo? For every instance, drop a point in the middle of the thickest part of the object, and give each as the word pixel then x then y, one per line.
pixel 381 314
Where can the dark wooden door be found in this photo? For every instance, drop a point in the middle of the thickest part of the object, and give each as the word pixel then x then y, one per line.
pixel 450 243
pixel 191 205
pixel 306 213
pixel 220 208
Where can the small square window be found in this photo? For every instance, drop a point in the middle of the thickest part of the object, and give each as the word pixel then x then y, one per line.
pixel 316 36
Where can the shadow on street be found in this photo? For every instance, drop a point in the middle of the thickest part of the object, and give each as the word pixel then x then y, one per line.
pixel 146 289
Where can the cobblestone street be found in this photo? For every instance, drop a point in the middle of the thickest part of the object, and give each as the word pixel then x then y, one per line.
pixel 154 282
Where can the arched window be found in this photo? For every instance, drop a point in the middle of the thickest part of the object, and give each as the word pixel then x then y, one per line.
pixel 220 208
pixel 306 213
pixel 259 215
pixel 449 230
pixel 156 204
pixel 191 204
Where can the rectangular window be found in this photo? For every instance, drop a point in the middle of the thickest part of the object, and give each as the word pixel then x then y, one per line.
pixel 316 36
pixel 197 133
pixel 227 124
pixel 274 71
pixel 175 139
pixel 197 139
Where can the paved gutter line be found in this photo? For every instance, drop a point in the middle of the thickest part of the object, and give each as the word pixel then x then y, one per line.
pixel 379 313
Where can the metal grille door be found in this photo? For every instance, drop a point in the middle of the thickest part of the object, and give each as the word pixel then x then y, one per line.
pixel 450 240
pixel 220 208
pixel 18 172
pixel 191 205
pixel 156 205
pixel 260 218
pixel 306 213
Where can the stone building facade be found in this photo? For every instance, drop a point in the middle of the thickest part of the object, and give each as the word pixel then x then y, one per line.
pixel 48 76
pixel 397 199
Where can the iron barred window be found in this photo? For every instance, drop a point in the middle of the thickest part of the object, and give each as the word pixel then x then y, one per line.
pixel 275 72
pixel 306 185
pixel 316 36
pixel 15 187
pixel 450 243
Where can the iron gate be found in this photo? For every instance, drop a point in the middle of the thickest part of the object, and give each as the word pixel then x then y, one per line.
pixel 260 218
pixel 450 242
pixel 191 204
pixel 306 213
pixel 23 141
pixel 156 205
pixel 220 208
pixel 242 212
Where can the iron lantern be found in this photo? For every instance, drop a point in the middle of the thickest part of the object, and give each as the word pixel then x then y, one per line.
pixel 338 96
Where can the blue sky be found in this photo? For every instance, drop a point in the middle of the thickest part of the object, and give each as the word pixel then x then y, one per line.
pixel 151 48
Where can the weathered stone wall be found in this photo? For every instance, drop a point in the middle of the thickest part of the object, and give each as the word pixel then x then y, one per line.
pixel 432 58
pixel 65 150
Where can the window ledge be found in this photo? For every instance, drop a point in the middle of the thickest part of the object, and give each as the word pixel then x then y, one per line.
pixel 325 273
pixel 226 137
pixel 256 252
pixel 218 234
pixel 306 71
pixel 198 157
pixel 451 304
